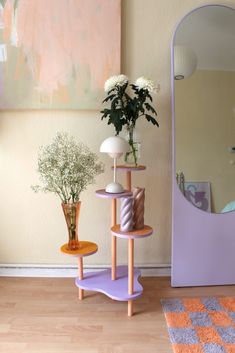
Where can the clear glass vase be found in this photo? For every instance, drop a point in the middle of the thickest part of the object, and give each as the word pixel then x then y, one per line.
pixel 132 157
pixel 71 213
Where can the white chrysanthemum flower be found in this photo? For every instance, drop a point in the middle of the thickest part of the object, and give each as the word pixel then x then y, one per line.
pixel 145 83
pixel 113 81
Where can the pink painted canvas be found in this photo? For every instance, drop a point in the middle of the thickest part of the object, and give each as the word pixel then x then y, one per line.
pixel 56 54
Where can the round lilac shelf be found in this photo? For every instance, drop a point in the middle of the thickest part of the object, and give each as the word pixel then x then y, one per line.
pixel 129 168
pixel 134 234
pixel 118 289
pixel 107 195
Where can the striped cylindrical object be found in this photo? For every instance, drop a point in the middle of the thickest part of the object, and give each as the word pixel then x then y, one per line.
pixel 126 214
pixel 138 207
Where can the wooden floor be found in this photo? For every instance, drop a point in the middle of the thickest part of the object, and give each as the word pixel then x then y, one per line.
pixel 44 315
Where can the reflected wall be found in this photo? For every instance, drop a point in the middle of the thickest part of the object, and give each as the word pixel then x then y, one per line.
pixel 205 129
pixel 204 108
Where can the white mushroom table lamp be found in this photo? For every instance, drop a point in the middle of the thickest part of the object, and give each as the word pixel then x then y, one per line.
pixel 115 146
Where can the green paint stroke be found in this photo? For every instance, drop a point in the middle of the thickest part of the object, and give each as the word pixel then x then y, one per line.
pixel 15 5
pixel 3 2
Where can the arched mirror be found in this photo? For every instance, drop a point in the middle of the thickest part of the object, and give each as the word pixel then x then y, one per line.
pixel 205 108
pixel 203 82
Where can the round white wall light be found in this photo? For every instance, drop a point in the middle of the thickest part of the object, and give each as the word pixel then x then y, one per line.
pixel 185 62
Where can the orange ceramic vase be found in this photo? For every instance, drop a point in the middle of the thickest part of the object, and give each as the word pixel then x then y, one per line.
pixel 71 213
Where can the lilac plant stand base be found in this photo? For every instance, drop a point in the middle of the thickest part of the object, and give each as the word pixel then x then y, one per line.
pixel 118 289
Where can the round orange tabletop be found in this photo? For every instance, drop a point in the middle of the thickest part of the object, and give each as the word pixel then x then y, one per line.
pixel 130 168
pixel 86 248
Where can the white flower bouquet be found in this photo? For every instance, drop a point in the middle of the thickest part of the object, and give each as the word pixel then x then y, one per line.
pixel 126 108
pixel 66 168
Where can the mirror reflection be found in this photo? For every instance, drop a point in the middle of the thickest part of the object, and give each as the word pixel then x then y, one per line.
pixel 204 86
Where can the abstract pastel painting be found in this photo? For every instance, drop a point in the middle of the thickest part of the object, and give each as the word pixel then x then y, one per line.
pixel 56 54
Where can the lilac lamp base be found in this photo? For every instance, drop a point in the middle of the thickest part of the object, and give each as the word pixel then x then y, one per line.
pixel 118 289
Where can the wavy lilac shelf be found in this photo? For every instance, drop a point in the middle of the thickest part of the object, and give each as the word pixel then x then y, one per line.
pixel 133 234
pixel 118 289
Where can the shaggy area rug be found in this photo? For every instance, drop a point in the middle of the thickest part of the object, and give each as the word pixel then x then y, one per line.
pixel 201 325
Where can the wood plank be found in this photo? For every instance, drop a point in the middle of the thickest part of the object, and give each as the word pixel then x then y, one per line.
pixel 44 315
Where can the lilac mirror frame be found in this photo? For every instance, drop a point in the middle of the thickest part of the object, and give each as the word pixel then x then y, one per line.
pixel 203 244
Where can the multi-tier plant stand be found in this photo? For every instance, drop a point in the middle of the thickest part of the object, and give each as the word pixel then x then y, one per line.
pixel 119 282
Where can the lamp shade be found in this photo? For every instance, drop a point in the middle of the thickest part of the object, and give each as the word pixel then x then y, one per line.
pixel 185 62
pixel 115 146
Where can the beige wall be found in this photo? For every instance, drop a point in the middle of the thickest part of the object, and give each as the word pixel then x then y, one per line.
pixel 31 225
pixel 205 128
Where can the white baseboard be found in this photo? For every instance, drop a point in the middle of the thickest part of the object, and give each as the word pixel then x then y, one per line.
pixel 22 270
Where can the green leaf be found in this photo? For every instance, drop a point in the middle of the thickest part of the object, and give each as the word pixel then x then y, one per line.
pixel 135 88
pixel 151 119
pixel 105 113
pixel 150 108
pixel 110 97
pixel 148 95
pixel 113 89
pixel 114 103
